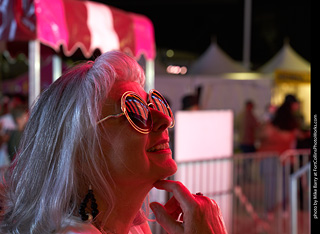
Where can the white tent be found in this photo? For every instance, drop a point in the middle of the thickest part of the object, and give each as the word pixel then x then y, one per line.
pixel 286 59
pixel 291 74
pixel 215 61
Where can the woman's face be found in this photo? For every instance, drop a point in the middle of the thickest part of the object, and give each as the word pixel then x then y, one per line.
pixel 134 157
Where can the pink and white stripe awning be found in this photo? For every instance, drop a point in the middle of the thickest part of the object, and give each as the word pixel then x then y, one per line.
pixel 73 24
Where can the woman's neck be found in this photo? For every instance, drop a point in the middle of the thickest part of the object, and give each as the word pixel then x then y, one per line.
pixel 128 202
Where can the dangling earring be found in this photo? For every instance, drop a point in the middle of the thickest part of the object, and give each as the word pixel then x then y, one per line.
pixel 94 207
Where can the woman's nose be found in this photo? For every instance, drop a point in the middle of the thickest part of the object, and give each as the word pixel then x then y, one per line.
pixel 160 121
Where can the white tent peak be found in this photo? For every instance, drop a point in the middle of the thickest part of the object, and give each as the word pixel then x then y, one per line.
pixel 286 59
pixel 215 61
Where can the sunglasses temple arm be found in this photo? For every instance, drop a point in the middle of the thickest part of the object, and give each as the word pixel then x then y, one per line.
pixel 110 116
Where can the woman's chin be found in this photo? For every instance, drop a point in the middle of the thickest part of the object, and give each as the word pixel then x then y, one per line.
pixel 169 169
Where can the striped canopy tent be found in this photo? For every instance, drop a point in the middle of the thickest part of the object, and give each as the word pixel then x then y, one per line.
pixel 68 25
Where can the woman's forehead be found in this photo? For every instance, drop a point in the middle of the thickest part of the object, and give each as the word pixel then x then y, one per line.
pixel 120 87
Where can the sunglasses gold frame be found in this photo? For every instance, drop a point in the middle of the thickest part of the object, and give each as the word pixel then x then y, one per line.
pixel 124 110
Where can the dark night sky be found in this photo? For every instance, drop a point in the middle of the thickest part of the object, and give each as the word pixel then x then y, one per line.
pixel 190 25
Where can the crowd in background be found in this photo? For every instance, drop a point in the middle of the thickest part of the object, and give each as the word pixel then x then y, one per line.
pixel 13 119
pixel 280 129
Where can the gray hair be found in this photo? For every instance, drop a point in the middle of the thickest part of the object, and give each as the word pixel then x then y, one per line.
pixel 58 155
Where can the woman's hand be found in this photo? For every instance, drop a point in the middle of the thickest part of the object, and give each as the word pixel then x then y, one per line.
pixel 199 214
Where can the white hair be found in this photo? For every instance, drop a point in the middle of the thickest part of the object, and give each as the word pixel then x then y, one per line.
pixel 59 152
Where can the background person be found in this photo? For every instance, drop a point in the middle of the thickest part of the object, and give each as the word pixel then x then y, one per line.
pixel 277 136
pixel 247 125
pixel 281 133
pixel 8 125
pixel 20 115
pixel 190 102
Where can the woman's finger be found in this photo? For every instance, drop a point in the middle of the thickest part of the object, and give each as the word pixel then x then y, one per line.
pixel 173 208
pixel 164 219
pixel 180 192
pixel 200 213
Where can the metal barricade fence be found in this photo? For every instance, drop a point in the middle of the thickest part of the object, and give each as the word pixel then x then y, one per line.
pixel 300 223
pixel 252 190
pixel 293 161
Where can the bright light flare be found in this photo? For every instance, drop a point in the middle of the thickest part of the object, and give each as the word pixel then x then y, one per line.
pixel 177 70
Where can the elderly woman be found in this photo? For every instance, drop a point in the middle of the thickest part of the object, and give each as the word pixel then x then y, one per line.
pixel 95 145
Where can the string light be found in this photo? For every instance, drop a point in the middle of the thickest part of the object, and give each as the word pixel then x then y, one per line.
pixel 177 69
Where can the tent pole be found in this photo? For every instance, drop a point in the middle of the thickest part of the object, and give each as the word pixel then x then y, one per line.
pixel 149 75
pixel 247 33
pixel 34 70
pixel 56 67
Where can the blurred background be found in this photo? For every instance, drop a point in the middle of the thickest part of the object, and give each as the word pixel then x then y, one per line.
pixel 188 27
pixel 237 75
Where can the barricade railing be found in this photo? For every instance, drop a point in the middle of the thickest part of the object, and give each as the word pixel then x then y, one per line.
pixel 252 190
pixel 292 161
pixel 265 186
pixel 299 223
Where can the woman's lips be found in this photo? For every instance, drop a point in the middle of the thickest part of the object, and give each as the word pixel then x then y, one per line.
pixel 161 146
